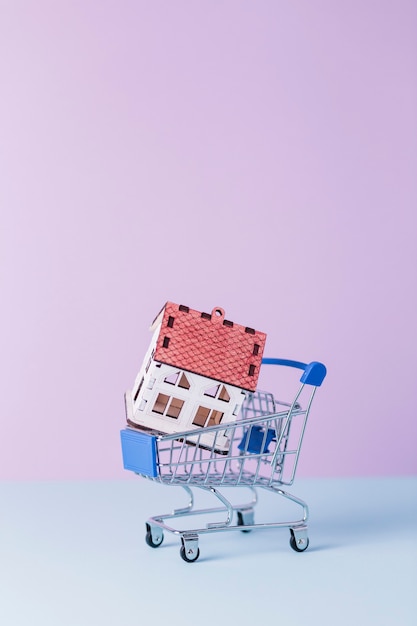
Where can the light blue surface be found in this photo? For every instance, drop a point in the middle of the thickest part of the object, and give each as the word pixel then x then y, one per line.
pixel 73 554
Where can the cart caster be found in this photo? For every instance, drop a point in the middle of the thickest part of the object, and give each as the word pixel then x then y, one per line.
pixel 187 557
pixel 299 540
pixel 154 536
pixel 245 518
pixel 189 551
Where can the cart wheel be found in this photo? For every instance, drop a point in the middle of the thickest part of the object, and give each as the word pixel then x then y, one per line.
pixel 240 522
pixel 299 546
pixel 156 540
pixel 187 557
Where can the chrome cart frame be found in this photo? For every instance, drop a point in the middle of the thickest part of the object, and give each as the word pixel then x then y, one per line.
pixel 264 449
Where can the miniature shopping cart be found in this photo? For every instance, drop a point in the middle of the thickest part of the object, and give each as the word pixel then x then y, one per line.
pixel 264 447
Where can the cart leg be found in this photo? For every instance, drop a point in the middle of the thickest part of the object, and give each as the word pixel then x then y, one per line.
pixel 227 505
pixel 186 509
pixel 289 496
pixel 189 550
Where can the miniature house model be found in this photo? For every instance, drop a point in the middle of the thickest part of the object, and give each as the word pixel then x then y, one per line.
pixel 195 373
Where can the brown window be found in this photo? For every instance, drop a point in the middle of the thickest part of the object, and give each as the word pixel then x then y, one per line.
pixel 201 416
pixel 251 370
pixel 256 349
pixel 223 395
pixel 218 391
pixel 215 418
pixel 175 407
pixel 165 405
pixel 183 382
pixel 177 378
pixel 205 417
pixel 160 403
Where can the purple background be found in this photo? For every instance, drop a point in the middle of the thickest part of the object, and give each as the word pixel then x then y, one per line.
pixel 258 156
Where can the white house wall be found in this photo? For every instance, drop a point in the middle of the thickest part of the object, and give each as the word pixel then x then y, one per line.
pixel 140 409
pixel 147 360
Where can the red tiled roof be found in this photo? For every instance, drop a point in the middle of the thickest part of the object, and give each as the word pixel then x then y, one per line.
pixel 209 345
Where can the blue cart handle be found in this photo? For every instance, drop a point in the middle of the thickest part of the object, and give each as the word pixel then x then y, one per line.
pixel 313 373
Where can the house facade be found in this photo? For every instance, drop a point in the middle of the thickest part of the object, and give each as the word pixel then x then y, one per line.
pixel 195 373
